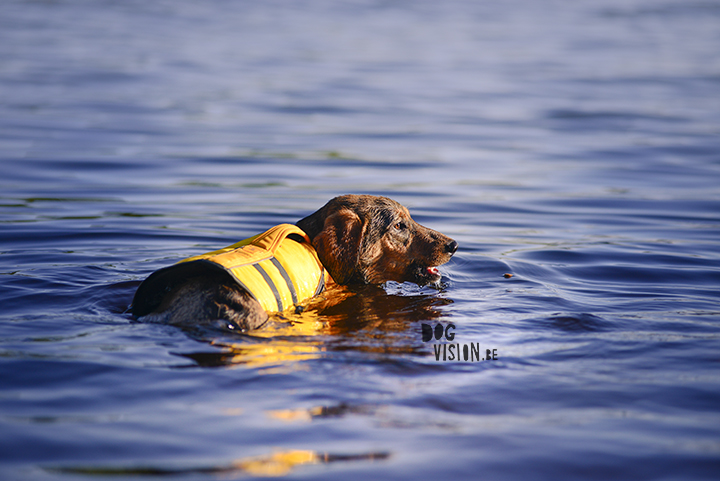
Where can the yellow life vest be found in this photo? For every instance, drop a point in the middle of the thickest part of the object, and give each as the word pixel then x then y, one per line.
pixel 277 270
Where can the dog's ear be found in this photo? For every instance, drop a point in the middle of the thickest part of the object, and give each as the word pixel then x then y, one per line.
pixel 338 244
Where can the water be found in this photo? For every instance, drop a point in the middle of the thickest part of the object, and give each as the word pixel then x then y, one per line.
pixel 572 145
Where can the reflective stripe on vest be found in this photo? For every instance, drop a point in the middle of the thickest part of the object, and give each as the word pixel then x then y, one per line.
pixel 277 271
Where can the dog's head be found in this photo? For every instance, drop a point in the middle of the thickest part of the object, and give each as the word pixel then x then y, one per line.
pixel 364 239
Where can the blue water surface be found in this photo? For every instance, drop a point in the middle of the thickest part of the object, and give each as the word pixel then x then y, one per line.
pixel 571 148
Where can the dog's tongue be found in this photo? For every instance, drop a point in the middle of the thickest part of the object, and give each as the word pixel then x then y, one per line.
pixel 433 270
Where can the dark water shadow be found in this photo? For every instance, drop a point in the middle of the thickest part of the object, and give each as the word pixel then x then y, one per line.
pixel 572 323
pixel 113 298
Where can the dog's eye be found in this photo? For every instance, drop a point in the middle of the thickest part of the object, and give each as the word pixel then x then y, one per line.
pixel 400 226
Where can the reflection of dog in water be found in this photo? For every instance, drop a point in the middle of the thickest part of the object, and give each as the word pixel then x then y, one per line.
pixel 361 319
pixel 352 240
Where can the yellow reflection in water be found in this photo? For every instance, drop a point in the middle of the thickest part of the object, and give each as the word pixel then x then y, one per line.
pixel 281 344
pixel 291 415
pixel 282 463
pixel 368 320
pixel 307 415
pixel 277 464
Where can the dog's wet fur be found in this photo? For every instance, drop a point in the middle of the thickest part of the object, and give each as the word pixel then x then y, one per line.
pixel 360 239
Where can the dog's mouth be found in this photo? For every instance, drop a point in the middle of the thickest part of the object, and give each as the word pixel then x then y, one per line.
pixel 429 275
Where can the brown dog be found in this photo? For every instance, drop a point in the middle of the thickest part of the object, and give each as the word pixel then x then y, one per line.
pixel 359 239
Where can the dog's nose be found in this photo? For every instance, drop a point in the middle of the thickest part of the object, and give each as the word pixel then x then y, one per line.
pixel 451 247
